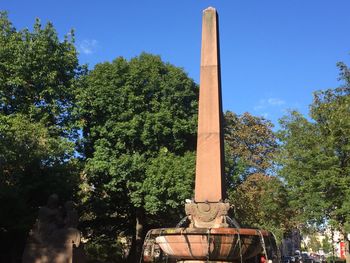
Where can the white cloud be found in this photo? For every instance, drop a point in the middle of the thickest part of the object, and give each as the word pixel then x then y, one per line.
pixel 275 102
pixel 261 105
pixel 88 46
pixel 265 115
pixel 268 103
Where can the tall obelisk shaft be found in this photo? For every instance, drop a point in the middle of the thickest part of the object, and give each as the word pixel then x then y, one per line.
pixel 209 164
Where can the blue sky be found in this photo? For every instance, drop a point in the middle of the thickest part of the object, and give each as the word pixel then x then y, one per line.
pixel 274 53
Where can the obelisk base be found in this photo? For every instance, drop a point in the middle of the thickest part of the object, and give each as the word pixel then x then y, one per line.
pixel 207 215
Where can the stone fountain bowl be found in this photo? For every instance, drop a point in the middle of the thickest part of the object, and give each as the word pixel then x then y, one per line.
pixel 220 244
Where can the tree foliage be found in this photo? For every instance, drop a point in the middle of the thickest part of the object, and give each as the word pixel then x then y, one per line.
pixel 315 157
pixel 168 182
pixel 326 245
pixel 38 73
pixel 139 124
pixel 262 201
pixel 314 243
pixel 250 145
pixel 259 199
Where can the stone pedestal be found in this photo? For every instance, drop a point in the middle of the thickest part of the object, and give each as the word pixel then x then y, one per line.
pixel 207 215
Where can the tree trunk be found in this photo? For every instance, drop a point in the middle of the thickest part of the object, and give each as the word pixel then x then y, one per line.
pixel 137 240
pixel 132 253
pixel 139 232
pixel 347 251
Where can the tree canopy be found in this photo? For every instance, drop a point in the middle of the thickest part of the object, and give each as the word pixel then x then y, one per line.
pixel 259 198
pixel 38 74
pixel 261 201
pixel 139 125
pixel 315 157
pixel 250 145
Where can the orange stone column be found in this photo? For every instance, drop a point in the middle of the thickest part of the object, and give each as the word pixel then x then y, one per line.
pixel 209 164
pixel 208 210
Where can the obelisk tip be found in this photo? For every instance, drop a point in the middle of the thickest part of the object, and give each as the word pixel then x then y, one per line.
pixel 209 9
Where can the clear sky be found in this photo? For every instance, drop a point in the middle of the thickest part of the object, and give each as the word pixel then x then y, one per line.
pixel 274 53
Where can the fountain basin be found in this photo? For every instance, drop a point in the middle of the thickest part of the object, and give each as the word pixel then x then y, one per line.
pixel 216 244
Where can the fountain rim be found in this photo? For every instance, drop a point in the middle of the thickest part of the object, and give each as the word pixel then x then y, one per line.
pixel 211 231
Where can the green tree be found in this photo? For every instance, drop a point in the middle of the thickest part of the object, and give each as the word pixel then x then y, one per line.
pixel 315 157
pixel 38 74
pixel 250 146
pixel 139 125
pixel 262 201
pixel 301 156
pixel 326 245
pixel 259 200
pixel 314 244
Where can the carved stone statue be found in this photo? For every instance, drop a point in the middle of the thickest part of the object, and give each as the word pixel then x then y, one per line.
pixel 54 237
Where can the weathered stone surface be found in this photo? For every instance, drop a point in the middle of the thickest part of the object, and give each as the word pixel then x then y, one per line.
pixel 207 215
pixel 208 210
pixel 209 163
pixel 54 237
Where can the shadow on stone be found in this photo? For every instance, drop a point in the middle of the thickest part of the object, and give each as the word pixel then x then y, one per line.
pixel 54 237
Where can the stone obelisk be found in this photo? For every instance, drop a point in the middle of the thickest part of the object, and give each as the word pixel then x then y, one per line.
pixel 209 162
pixel 208 210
